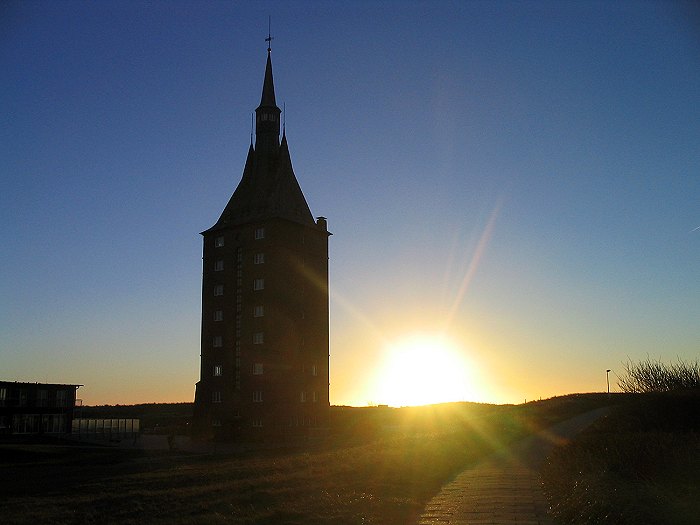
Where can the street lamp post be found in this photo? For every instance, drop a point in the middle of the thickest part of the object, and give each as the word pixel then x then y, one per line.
pixel 607 377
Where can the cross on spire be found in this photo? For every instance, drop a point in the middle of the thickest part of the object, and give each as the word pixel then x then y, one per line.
pixel 269 38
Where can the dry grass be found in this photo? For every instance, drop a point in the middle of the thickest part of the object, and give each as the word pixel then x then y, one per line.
pixel 367 473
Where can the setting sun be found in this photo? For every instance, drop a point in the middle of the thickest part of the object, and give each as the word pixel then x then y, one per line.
pixel 423 369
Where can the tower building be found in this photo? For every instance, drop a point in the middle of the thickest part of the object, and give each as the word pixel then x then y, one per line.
pixel 265 327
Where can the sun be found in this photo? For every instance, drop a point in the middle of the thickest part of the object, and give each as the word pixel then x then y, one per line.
pixel 423 369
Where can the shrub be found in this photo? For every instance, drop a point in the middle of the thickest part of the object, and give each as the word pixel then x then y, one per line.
pixel 657 376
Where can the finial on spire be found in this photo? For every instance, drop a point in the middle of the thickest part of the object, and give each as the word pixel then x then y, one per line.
pixel 252 120
pixel 269 34
pixel 284 119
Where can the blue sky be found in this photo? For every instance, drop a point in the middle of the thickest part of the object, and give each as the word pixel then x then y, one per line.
pixel 523 176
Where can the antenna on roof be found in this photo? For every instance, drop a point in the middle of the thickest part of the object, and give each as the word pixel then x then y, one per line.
pixel 269 35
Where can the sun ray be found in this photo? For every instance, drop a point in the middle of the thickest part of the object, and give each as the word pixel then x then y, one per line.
pixel 474 263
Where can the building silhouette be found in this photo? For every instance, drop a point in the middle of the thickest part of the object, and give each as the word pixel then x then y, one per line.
pixel 36 408
pixel 264 345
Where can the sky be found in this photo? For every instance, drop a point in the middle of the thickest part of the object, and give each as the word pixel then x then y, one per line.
pixel 519 179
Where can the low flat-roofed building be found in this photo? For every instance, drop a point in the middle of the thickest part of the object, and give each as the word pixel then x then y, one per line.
pixel 36 408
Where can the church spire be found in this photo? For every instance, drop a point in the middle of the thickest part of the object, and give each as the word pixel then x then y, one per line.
pixel 268 92
pixel 267 114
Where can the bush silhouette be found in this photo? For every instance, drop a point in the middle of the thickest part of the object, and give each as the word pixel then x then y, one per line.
pixel 657 376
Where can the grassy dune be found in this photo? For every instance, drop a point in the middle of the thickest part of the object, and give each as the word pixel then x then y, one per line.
pixel 641 464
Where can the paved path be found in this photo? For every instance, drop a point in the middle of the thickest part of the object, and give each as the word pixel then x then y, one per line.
pixel 504 488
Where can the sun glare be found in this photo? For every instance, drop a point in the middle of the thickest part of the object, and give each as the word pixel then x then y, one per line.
pixel 424 369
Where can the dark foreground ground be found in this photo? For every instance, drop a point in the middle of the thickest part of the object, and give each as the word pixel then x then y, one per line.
pixel 639 465
pixel 366 472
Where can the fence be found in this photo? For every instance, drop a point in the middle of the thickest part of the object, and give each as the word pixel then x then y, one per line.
pixel 106 429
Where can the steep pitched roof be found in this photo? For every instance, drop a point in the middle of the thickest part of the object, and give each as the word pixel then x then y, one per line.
pixel 268 189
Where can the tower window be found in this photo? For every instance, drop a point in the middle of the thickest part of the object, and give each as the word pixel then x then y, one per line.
pixel 315 398
pixel 314 370
pixel 218 241
pixel 219 290
pixel 258 338
pixel 218 265
pixel 219 315
pixel 218 369
pixel 259 233
pixel 257 423
pixel 257 369
pixel 302 397
pixel 259 258
pixel 257 396
pixel 216 397
pixel 259 311
pixel 258 284
pixel 218 342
